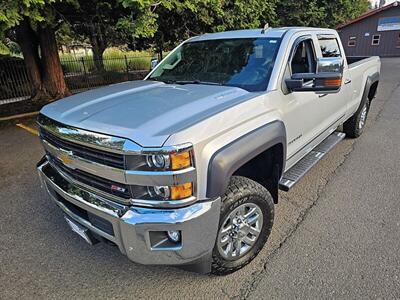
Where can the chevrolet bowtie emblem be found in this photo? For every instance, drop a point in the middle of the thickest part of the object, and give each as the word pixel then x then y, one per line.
pixel 65 158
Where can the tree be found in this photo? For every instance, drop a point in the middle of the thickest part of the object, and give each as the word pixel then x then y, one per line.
pixel 35 23
pixel 321 13
pixel 97 22
pixel 165 23
pixel 299 13
pixel 340 11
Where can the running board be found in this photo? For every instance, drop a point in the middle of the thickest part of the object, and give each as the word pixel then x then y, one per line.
pixel 295 173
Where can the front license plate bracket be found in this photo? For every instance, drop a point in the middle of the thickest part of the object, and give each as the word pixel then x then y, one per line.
pixel 82 231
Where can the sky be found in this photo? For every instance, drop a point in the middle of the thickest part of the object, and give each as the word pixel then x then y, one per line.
pixel 387 1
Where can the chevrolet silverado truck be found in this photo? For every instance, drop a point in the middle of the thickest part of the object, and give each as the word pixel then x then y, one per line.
pixel 184 167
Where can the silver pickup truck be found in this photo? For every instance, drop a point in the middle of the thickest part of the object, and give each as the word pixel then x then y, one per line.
pixel 183 168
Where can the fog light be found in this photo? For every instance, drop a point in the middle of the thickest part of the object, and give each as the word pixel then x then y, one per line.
pixel 174 235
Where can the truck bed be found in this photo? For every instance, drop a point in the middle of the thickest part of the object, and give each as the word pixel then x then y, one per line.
pixel 353 59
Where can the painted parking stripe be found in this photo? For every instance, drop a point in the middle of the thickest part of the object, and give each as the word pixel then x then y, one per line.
pixel 27 128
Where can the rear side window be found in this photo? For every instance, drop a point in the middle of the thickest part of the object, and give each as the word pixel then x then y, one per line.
pixel 329 47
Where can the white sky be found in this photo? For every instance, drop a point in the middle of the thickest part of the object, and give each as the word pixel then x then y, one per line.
pixel 387 1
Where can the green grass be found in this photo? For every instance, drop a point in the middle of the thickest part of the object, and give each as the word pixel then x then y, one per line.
pixel 113 59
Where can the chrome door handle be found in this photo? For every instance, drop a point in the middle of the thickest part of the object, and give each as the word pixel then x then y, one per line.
pixel 347 81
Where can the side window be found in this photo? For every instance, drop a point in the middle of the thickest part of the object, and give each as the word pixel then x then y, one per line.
pixel 330 47
pixel 376 38
pixel 303 60
pixel 352 41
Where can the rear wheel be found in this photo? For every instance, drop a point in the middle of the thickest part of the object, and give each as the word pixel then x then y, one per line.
pixel 354 126
pixel 247 215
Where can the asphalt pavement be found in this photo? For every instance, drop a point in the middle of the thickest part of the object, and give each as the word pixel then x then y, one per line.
pixel 336 234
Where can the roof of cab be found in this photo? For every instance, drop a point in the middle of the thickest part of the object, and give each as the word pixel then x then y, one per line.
pixel 254 33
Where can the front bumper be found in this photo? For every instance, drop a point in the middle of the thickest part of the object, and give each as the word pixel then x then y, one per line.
pixel 138 232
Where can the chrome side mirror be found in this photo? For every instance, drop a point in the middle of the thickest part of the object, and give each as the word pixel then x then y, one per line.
pixel 327 79
pixel 330 65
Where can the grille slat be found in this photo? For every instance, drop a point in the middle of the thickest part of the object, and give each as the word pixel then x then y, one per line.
pixel 99 183
pixel 106 158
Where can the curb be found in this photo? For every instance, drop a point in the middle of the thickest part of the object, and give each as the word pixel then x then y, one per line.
pixel 19 116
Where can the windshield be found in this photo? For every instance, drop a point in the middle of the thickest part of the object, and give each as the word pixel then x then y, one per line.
pixel 245 63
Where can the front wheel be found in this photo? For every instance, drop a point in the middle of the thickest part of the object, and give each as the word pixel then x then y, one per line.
pixel 247 216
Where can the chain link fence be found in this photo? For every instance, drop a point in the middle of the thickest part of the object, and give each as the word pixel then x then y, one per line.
pixel 80 74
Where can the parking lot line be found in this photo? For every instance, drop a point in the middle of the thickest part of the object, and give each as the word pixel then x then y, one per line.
pixel 29 129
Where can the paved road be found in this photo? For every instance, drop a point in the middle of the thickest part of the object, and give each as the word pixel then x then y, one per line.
pixel 349 244
pixel 336 233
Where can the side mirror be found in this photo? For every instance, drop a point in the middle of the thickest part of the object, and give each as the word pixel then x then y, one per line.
pixel 327 79
pixel 153 63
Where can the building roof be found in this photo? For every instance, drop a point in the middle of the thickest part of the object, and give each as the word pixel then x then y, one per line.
pixel 369 14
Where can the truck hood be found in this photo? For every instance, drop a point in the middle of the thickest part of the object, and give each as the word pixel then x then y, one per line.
pixel 146 112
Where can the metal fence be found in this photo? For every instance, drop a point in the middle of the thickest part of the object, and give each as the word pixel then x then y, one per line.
pixel 80 74
pixel 14 81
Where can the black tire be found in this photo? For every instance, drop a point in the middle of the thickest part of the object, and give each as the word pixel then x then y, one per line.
pixel 241 191
pixel 354 126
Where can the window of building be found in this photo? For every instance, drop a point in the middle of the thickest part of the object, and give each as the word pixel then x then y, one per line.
pixel 329 47
pixel 352 41
pixel 376 38
pixel 398 41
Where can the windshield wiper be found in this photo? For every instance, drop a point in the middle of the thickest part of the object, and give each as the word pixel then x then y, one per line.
pixel 195 82
pixel 168 81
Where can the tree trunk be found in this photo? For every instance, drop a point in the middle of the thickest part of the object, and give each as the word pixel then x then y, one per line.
pixel 98 46
pixel 160 44
pixel 29 44
pixel 53 76
pixel 98 56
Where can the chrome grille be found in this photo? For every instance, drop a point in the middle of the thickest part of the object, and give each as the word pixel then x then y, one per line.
pixel 95 155
pixel 91 180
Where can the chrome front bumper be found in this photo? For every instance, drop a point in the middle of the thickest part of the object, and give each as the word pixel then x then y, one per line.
pixel 138 231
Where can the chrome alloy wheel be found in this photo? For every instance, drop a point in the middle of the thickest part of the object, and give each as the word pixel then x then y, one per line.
pixel 363 116
pixel 240 231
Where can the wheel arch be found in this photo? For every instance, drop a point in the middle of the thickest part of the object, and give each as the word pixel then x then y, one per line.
pixel 265 145
pixel 371 87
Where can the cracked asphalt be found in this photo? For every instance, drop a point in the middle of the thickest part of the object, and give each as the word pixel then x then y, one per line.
pixel 336 234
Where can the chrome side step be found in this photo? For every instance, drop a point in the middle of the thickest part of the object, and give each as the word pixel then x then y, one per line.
pixel 295 173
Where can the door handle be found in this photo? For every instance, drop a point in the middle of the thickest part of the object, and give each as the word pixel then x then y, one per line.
pixel 347 81
pixel 322 95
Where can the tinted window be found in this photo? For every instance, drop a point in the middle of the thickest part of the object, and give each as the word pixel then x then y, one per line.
pixel 245 63
pixel 329 47
pixel 303 60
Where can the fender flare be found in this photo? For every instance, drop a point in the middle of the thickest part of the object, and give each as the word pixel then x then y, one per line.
pixel 232 156
pixel 371 79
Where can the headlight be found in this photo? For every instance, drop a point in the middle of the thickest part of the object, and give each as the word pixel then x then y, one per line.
pixel 172 161
pixel 174 168
pixel 175 192
pixel 159 161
